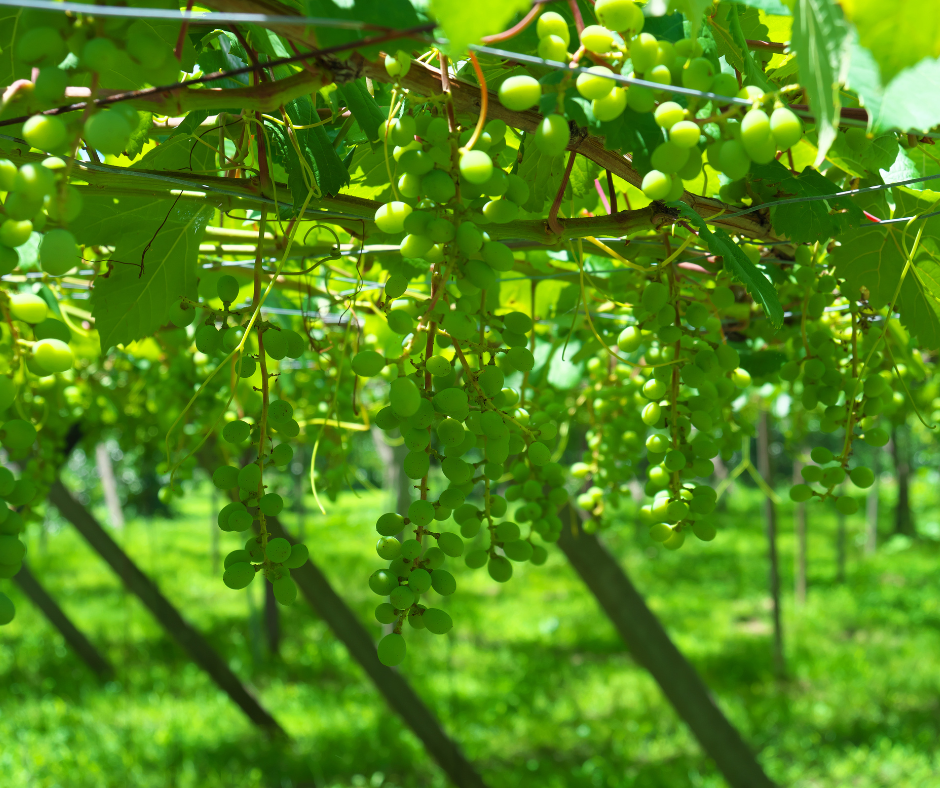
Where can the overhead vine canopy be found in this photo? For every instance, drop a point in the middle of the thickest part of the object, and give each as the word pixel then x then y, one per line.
pixel 558 250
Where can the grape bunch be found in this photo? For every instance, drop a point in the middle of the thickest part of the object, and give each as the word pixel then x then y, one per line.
pixel 447 394
pixel 706 130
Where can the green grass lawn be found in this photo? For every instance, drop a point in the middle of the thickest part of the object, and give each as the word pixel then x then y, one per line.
pixel 533 681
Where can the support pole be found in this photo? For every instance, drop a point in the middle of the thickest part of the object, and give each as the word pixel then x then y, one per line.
pixel 652 648
pixel 770 519
pixel 799 527
pixel 138 583
pixel 81 645
pixel 399 694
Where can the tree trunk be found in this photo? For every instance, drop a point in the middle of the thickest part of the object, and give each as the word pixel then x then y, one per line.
pixel 137 582
pixel 82 646
pixel 770 516
pixel 398 693
pixel 799 525
pixel 900 452
pixel 109 485
pixel 651 647
pixel 871 508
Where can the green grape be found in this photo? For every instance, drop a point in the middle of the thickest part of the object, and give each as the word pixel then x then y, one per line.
pixel 180 313
pixel 236 557
pixel 597 39
pixel 45 132
pixel 402 130
pixel 402 597
pixel 236 431
pixel 763 152
pixel 800 493
pixel 391 650
pixel 443 582
pixel 611 106
pixel 421 513
pixel 390 524
pixel 539 454
pixel 476 166
pixel 53 355
pixel 238 575
pixel 385 613
pixel 654 389
pixel 846 504
pixel 40 45
pixel 668 114
pixel 271 504
pixel 595 83
pixel 298 556
pixel 675 541
pixel 17 435
pixel 415 163
pixel 7 610
pixel 397 65
pixel 684 134
pixel 519 322
pixel 821 454
pixel 733 160
pixel 621 15
pixel 875 386
pixel 383 582
pixel 704 530
pixel 857 140
pixel 437 185
pixel 655 296
pixel 404 397
pixel 285 590
pixel 368 363
pixel 553 48
pixel 876 437
pixel 641 99
pixel 521 358
pixel 208 339
pixel 499 568
pixel 390 218
pixel 629 339
pixel 660 532
pixel 786 128
pixel 107 131
pixel 668 157
pixel 225 477
pixel 232 337
pixel 275 343
pixel 438 366
pixel 698 74
pixel 539 555
pixel 552 134
pixel 419 581
pixel 249 477
pixel 553 24
pixel 226 512
pixel 755 127
pixel 725 85
pixel 520 93
pixel 500 211
pixel 862 477
pixel 278 549
pixel 388 547
pixel 741 378
pixel 651 414
pixel 660 74
pixel 656 185
pixel 395 286
pixel 518 189
pixel 644 50
pixel 9 260
pixel 15 233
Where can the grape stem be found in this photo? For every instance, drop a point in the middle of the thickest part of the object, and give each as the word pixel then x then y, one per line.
pixel 556 203
pixel 484 102
pixel 517 28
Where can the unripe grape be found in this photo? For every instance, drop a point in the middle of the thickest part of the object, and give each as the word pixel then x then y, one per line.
pixel 597 39
pixel 500 212
pixel 53 355
pixel 388 547
pixel 7 396
pixel 595 83
pixel 641 99
pixel 741 378
pixel 58 252
pixel 401 131
pixel 415 246
pixel 521 358
pixel 668 114
pixel 668 157
pixel 271 505
pixel 391 650
pixel 28 307
pixel 285 590
pixel 64 208
pixel 40 45
pixel 239 575
pixel 225 477
pixel 368 363
pixel 611 106
pixel 675 541
pixel 45 132
pixel 553 24
pixel 876 437
pixel 249 477
pixel 704 530
pixel 107 131
pixel 553 48
pixel 629 339
pixel 499 568
pixel 390 217
pixel 552 135
pixel 862 477
pixel 398 65
pixel 685 134
pixel 800 493
pixel 698 74
pixel 651 414
pixel 644 50
pixel 656 185
pixel 298 556
pixel 476 166
pixel 385 613
pixel 15 233
pixel 846 504
pixel 733 160
pixel 621 15
pixel 520 93
pixel 786 128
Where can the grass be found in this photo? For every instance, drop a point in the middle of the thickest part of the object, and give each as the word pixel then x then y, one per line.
pixel 533 682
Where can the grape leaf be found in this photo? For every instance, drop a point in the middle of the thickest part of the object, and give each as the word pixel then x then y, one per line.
pixel 720 243
pixel 388 14
pixel 693 10
pixel 807 222
pixel 582 177
pixel 900 104
pixel 10 29
pixel 542 173
pixel 819 39
pixel 728 27
pixel 153 264
pixel 874 256
pixel 317 149
pixel 190 123
pixel 466 22
pixel 363 107
pixel 899 34
pixel 775 7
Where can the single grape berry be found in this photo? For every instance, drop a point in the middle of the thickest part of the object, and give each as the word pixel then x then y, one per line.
pixel 391 650
pixel 236 431
pixel 520 93
pixel 53 355
pixel 552 135
pixel 238 575
pixel 271 504
pixel 108 132
pixel 285 590
pixel 225 477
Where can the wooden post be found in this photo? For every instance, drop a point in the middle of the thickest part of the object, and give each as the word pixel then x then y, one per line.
pixel 799 527
pixel 900 452
pixel 109 485
pixel 651 647
pixel 770 516
pixel 82 646
pixel 397 691
pixel 138 583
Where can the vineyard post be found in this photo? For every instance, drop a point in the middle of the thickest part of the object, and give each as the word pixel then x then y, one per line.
pixel 770 518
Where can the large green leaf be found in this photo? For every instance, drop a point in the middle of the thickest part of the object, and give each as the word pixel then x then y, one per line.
pixel 819 39
pixel 465 22
pixel 873 257
pixel 542 173
pixel 758 285
pixel 153 264
pixel 11 28
pixel 811 221
pixel 731 28
pixel 908 102
pixel 363 107
pixel 899 33
pixel 317 148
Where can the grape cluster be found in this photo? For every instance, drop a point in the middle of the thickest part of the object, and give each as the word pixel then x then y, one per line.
pixel 729 141
pixel 461 415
